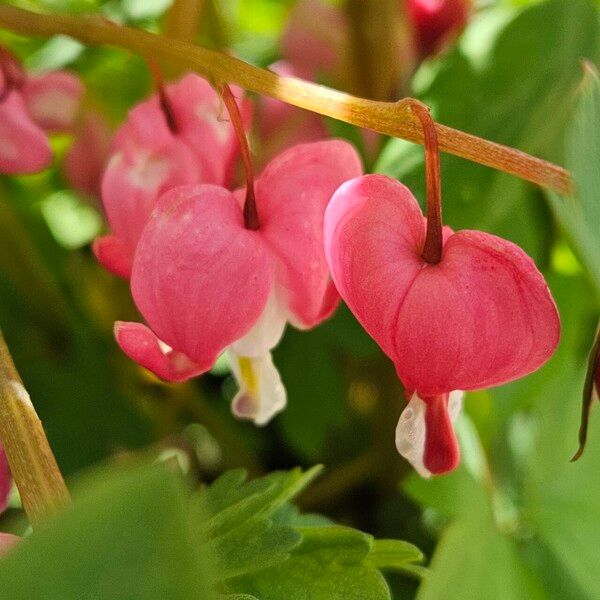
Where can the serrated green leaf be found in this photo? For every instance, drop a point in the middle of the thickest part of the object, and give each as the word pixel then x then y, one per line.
pixel 394 555
pixel 329 564
pixel 253 546
pixel 231 501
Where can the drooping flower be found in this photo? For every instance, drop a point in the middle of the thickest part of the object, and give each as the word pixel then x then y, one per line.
pixel 454 310
pixel 315 40
pixel 282 125
pixel 210 275
pixel 175 138
pixel 31 106
pixel 436 22
pixel 84 162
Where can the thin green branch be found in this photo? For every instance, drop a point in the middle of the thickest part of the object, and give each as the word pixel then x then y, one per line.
pixel 394 119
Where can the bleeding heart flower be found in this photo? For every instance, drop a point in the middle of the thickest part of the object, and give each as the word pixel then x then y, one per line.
pixel 282 125
pixel 210 274
pixel 85 160
pixel 454 311
pixel 436 22
pixel 315 39
pixel 175 138
pixel 29 105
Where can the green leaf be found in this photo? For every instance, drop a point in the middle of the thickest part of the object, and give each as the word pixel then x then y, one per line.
pixel 241 527
pixel 473 561
pixel 127 536
pixel 580 215
pixel 330 564
pixel 393 555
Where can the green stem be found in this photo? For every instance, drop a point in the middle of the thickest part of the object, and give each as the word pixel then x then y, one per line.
pixel 389 118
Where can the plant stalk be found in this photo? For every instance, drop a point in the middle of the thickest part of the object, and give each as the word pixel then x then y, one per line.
pixel 32 464
pixel 389 118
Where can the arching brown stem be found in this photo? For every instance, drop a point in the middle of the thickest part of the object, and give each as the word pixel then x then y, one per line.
pixel 388 118
pixel 432 250
pixel 250 211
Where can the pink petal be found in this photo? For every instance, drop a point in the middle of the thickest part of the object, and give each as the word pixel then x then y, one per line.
pixel 114 255
pixel 200 279
pixel 373 229
pixel 136 177
pixel 482 317
pixel 203 123
pixel 5 480
pixel 442 454
pixel 24 147
pixel 292 194
pixel 85 161
pixel 142 346
pixel 52 99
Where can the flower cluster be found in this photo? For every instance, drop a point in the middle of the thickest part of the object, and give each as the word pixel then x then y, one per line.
pixel 214 267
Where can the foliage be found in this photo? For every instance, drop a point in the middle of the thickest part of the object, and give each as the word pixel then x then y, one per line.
pixel 517 520
pixel 138 532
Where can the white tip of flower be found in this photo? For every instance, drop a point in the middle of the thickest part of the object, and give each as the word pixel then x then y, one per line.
pixel 410 431
pixel 262 394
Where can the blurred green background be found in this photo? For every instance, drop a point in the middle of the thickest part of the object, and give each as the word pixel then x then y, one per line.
pixel 517 520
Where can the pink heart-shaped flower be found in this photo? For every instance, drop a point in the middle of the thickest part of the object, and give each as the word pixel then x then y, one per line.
pixel 481 317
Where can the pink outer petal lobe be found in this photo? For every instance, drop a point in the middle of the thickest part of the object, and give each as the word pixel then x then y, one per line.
pixel 113 255
pixel 141 345
pixel 24 147
pixel 292 194
pixel 200 279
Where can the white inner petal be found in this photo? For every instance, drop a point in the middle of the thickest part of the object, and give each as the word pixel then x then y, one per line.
pixel 262 394
pixel 267 331
pixel 410 435
pixel 410 432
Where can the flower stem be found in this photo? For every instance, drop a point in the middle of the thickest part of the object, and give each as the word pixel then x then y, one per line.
pixel 33 466
pixel 432 250
pixel 165 104
pixel 389 118
pixel 250 211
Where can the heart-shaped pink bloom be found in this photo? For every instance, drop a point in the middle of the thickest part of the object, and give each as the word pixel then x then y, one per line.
pixel 24 146
pixel 52 99
pixel 282 125
pixel 85 160
pixel 151 156
pixel 204 282
pixel 315 39
pixel 480 317
pixel 436 22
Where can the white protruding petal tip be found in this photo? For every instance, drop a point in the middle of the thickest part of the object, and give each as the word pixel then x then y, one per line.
pixel 262 394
